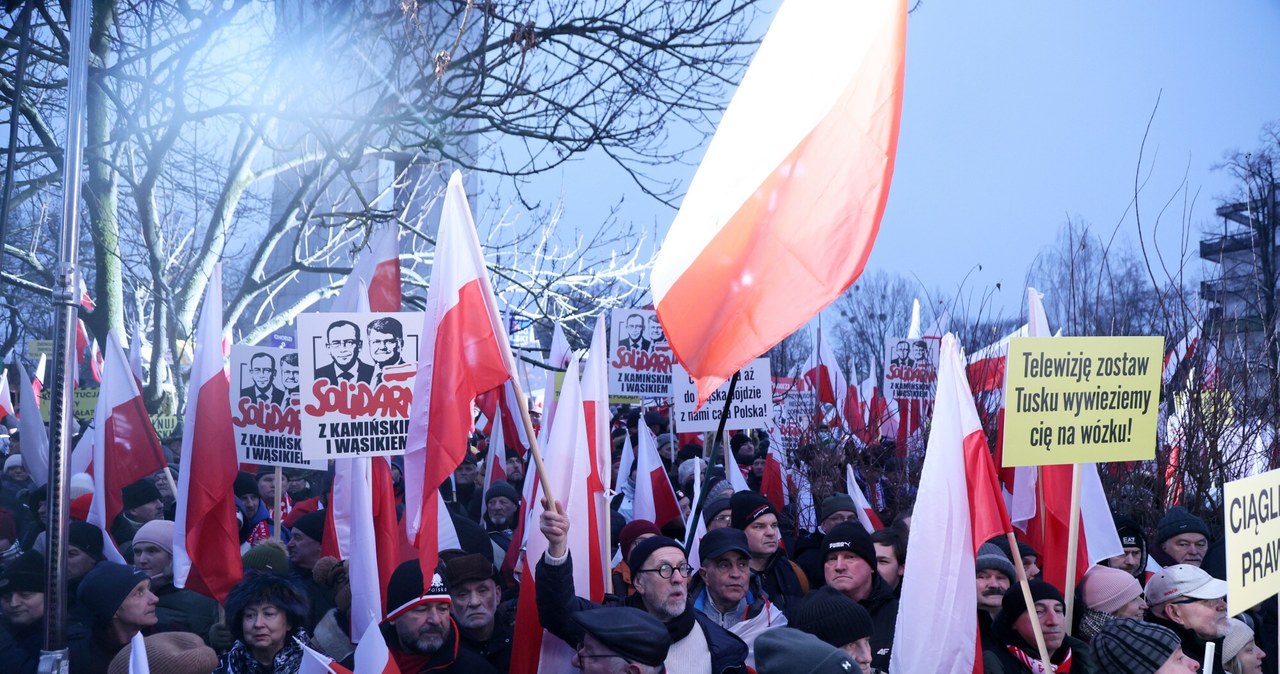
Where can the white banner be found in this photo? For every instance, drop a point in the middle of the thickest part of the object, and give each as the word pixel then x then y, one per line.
pixel 911 367
pixel 357 382
pixel 264 406
pixel 641 359
pixel 752 405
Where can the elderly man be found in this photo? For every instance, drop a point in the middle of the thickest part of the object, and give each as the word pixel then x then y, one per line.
pixel 849 567
pixel 1181 538
pixel 1193 604
pixel 836 510
pixel 474 595
pixel 142 504
pixel 661 577
pixel 994 574
pixel 419 630
pixel 621 640
pixel 780 578
pixel 723 589
pixel 1015 650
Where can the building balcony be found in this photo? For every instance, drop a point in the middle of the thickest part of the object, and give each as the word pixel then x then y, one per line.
pixel 1214 248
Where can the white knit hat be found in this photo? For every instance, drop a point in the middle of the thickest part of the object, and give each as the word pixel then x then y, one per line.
pixel 13 460
pixel 81 484
pixel 1237 638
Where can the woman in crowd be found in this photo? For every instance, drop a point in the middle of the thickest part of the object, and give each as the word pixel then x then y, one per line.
pixel 265 613
pixel 1240 653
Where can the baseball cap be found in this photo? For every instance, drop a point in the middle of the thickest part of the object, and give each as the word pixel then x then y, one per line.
pixel 1183 580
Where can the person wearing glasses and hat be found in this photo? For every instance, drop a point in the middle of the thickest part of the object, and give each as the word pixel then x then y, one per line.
pixel 660 574
pixel 1187 600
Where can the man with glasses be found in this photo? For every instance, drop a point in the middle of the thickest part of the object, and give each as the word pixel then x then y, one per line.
pixel 836 509
pixel 1193 604
pixel 660 575
pixel 386 342
pixel 262 388
pixel 621 640
pixel 343 342
pixel 1181 538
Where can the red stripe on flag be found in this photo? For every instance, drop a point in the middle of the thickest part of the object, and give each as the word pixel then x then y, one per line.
pixel 986 503
pixel 213 539
pixel 132 453
pixel 384 287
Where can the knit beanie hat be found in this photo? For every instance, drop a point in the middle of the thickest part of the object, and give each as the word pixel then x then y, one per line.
pixel 1238 636
pixel 408 589
pixel 81 484
pixel 1176 521
pixel 331 573
pixel 269 556
pixel 171 653
pixel 1014 605
pixel 850 536
pixel 25 574
pixel 1107 590
pixel 837 503
pixel 641 551
pixel 157 532
pixel 747 507
pixel 245 484
pixel 505 490
pixel 635 529
pixel 87 537
pixel 13 461
pixel 105 588
pixel 1133 646
pixel 991 558
pixel 785 650
pixel 311 524
pixel 142 492
pixel 832 617
pixel 1129 532
pixel 714 507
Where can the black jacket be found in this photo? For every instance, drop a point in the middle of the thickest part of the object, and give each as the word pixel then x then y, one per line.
pixel 882 604
pixel 780 580
pixel 809 557
pixel 20 646
pixel 1000 661
pixel 556 602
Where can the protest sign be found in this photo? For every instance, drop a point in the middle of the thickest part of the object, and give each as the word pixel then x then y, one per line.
pixel 84 403
pixel 911 367
pixel 265 390
pixel 752 405
pixel 1081 399
pixel 357 373
pixel 640 362
pixel 793 409
pixel 39 347
pixel 165 425
pixel 1252 508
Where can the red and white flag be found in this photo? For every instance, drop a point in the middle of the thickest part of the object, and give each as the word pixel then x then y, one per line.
pixel 378 267
pixel 138 663
pixel 785 206
pixel 34 434
pixel 315 662
pixel 866 514
pixel 37 382
pixel 957 484
pixel 595 404
pixel 6 398
pixel 821 372
pixel 206 537
pixel 494 465
pixel 372 654
pixel 774 482
pixel 465 353
pixel 125 446
pixel 1182 352
pixel 655 498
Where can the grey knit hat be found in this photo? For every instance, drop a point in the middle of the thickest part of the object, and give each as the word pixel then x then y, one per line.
pixel 1238 636
pixel 785 650
pixel 1176 521
pixel 990 557
pixel 1128 646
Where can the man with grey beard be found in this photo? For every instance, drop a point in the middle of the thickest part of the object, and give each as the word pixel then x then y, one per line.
pixel 418 629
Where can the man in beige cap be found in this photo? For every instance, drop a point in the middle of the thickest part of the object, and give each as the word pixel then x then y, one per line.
pixel 1193 604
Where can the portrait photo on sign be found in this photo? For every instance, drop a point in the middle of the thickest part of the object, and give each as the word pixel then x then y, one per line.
pixel 640 356
pixel 265 397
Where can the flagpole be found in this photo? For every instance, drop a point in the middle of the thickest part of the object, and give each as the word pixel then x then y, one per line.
pixel 1073 540
pixel 1026 596
pixel 533 446
pixel 724 417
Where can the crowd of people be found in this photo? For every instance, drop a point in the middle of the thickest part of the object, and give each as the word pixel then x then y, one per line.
pixel 754 593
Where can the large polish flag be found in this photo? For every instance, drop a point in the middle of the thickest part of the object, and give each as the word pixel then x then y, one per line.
pixel 958 484
pixel 595 405
pixel 783 211
pixel 821 371
pixel 35 437
pixel 125 446
pixel 568 465
pixel 866 514
pixel 378 268
pixel 465 353
pixel 655 498
pixel 206 539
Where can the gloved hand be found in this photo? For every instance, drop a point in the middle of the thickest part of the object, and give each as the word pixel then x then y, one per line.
pixel 220 638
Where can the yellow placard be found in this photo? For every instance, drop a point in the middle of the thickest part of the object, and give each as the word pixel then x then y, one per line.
pixel 1253 540
pixel 84 402
pixel 39 347
pixel 165 425
pixel 1081 399
pixel 613 399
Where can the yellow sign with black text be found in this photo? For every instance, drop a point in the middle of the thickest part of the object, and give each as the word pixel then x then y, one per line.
pixel 1252 509
pixel 1081 399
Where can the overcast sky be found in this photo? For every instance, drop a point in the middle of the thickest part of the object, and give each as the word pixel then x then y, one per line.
pixel 1020 115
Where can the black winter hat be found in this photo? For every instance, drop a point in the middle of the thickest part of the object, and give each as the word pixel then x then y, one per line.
pixel 505 490
pixel 105 588
pixel 139 493
pixel 1014 605
pixel 88 538
pixel 407 589
pixel 1176 521
pixel 714 507
pixel 245 484
pixel 748 506
pixel 832 617
pixel 311 524
pixel 851 537
pixel 641 551
pixel 1130 533
pixel 25 574
pixel 786 650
